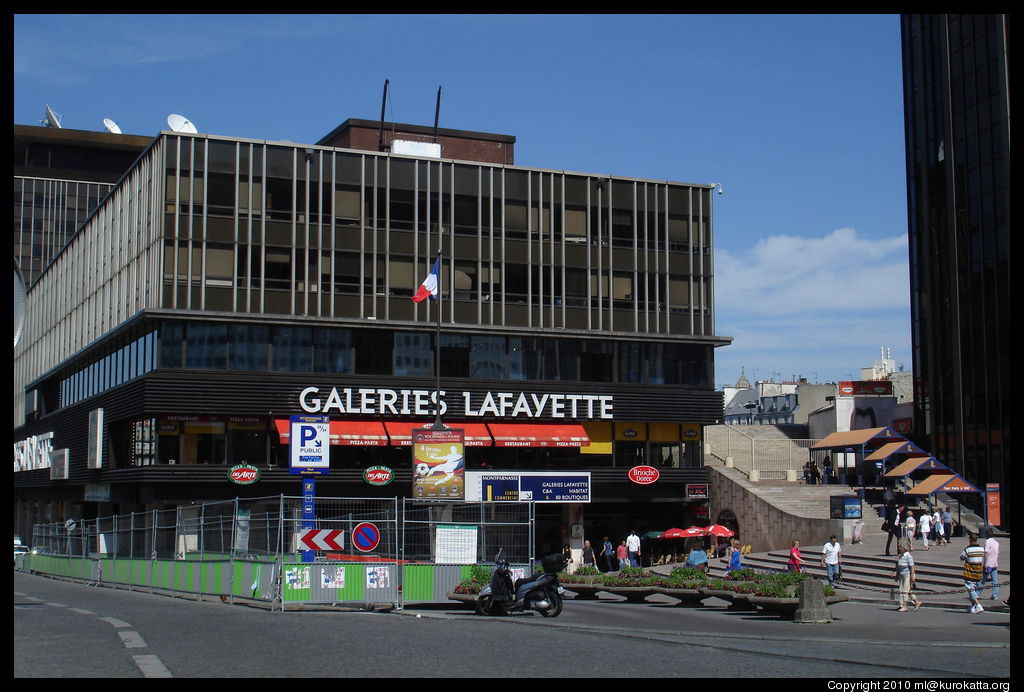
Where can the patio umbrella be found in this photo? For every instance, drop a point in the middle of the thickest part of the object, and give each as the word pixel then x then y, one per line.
pixel 692 532
pixel 653 534
pixel 718 530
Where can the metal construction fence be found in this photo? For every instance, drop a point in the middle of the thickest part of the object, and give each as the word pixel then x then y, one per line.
pixel 366 550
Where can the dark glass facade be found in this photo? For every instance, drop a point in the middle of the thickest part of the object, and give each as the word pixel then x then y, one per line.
pixel 956 92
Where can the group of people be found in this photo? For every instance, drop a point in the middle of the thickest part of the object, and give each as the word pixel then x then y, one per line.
pixel 831 559
pixel 608 557
pixel 980 568
pixel 814 476
pixel 935 526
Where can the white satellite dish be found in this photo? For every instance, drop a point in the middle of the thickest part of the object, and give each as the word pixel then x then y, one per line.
pixel 111 126
pixel 52 118
pixel 180 123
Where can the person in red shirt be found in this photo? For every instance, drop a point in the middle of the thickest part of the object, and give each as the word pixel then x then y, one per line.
pixel 795 561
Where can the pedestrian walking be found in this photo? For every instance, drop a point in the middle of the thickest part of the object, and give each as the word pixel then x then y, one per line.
pixel 906 575
pixel 795 561
pixel 973 557
pixel 826 470
pixel 947 524
pixel 831 560
pixel 589 559
pixel 926 528
pixel 622 552
pixel 909 525
pixel 891 525
pixel 607 554
pixel 633 545
pixel 990 572
pixel 938 528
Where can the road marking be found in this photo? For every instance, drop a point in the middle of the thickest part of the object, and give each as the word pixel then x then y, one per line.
pixel 151 666
pixel 82 611
pixel 132 640
pixel 33 599
pixel 115 622
pixel 56 605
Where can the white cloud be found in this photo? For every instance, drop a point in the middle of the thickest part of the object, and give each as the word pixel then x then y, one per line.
pixel 817 307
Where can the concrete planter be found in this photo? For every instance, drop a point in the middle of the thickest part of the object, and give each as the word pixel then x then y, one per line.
pixel 685 596
pixel 633 594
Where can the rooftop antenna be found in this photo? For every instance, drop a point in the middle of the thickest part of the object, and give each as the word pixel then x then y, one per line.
pixel 52 118
pixel 437 111
pixel 180 123
pixel 111 126
pixel 383 104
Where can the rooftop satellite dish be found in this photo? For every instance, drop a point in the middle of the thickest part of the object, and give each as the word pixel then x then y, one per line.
pixel 52 118
pixel 111 126
pixel 180 123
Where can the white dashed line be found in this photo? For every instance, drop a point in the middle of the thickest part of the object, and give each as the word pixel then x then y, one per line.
pixel 81 611
pixel 56 605
pixel 151 667
pixel 132 640
pixel 115 622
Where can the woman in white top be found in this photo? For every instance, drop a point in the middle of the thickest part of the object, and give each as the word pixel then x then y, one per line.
pixel 926 528
pixel 910 526
pixel 940 531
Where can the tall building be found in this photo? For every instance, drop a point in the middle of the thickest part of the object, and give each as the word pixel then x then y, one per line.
pixel 60 177
pixel 957 111
pixel 225 284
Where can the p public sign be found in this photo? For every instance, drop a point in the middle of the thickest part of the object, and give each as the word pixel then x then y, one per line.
pixel 365 537
pixel 309 444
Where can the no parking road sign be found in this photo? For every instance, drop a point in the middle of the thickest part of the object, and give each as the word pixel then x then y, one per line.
pixel 365 537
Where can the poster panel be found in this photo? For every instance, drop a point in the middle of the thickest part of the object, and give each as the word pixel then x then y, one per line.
pixel 438 464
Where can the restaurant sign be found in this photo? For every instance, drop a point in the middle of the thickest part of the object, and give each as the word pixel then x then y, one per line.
pixel 244 474
pixel 643 475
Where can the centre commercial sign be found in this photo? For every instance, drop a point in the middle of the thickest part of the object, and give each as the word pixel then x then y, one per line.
pixel 420 402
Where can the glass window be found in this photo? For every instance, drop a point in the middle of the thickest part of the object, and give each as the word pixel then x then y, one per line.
pixel 487 357
pixel 249 347
pixel 413 354
pixel 373 351
pixel 454 355
pixel 523 359
pixel 332 350
pixel 293 349
pixel 171 336
pixel 631 362
pixel 206 346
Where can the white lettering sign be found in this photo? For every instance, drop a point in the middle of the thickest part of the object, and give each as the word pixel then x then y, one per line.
pixel 421 402
pixel 33 453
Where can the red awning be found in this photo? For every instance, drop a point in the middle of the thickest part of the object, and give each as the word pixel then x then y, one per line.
pixel 345 432
pixel 476 434
pixel 516 435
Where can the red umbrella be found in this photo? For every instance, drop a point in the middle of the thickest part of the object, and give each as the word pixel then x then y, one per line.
pixel 683 533
pixel 718 530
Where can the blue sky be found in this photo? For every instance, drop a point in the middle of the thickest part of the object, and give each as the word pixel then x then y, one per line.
pixel 799 117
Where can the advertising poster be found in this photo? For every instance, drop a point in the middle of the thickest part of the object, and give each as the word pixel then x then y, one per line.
pixel 439 464
pixel 378 577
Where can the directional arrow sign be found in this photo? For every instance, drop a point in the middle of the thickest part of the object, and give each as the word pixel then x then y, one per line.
pixel 323 539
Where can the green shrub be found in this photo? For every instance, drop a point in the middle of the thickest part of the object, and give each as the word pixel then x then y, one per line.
pixel 586 570
pixel 689 574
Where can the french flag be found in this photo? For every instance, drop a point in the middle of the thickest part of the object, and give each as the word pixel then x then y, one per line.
pixel 428 289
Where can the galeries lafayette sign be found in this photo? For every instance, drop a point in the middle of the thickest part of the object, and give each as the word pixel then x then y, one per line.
pixel 244 474
pixel 643 475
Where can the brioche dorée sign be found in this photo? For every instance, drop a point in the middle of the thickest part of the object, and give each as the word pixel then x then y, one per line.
pixel 643 475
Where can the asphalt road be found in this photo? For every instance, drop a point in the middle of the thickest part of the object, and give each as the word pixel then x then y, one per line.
pixel 65 629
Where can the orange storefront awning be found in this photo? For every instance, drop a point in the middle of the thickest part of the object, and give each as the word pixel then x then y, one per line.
pixel 345 433
pixel 523 435
pixel 476 434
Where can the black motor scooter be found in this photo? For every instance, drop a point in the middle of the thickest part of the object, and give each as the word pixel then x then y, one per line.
pixel 541 592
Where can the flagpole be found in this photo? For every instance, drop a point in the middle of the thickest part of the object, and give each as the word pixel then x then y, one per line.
pixel 438 425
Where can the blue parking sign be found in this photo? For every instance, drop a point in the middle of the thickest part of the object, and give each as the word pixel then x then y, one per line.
pixel 309 444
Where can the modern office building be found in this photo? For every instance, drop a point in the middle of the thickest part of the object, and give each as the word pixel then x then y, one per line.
pixel 226 284
pixel 957 110
pixel 60 177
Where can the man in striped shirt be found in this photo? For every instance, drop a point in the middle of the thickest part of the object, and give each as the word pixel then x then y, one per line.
pixel 973 557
